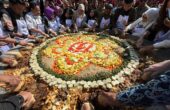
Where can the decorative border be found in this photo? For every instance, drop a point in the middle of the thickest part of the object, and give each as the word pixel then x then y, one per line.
pixel 106 83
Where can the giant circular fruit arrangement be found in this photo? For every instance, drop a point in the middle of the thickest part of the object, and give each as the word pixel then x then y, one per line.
pixel 84 61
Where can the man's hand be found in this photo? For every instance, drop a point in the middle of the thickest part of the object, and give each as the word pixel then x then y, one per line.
pixel 31 36
pixel 23 43
pixel 146 49
pixel 54 33
pixel 7 60
pixel 157 68
pixel 29 99
pixel 44 34
pixel 12 81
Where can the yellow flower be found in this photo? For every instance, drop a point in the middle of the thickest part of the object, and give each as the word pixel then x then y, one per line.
pixel 83 54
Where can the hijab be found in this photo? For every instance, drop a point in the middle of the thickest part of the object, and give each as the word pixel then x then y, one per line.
pixel 48 12
pixel 80 7
pixel 152 15
pixel 57 10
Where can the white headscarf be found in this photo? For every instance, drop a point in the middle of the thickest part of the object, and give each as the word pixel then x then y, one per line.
pixel 81 7
pixel 152 15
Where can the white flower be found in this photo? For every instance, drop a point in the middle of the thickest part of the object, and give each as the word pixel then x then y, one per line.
pixel 109 86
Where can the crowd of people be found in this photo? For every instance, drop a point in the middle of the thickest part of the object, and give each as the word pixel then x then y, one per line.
pixel 24 24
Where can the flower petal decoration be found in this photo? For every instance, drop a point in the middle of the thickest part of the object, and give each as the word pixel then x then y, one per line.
pixel 83 60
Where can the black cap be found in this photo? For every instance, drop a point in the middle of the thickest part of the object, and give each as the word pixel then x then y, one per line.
pixel 128 1
pixel 108 6
pixel 18 1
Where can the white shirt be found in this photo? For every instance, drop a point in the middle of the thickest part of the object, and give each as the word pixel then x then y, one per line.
pixel 91 22
pixel 34 22
pixel 22 26
pixel 79 22
pixel 6 47
pixel 1 30
pixel 121 20
pixel 68 22
pixel 2 33
pixel 104 22
pixel 55 24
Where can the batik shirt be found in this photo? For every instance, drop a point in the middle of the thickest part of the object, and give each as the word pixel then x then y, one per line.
pixel 155 92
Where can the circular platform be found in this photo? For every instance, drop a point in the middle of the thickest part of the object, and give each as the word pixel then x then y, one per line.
pixel 84 61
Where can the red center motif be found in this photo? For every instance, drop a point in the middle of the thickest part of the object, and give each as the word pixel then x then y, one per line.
pixel 80 47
